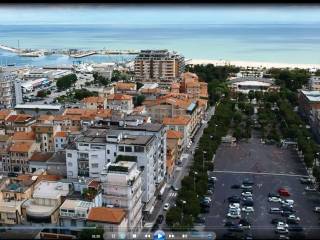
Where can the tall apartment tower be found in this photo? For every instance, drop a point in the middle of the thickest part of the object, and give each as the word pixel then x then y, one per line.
pixel 158 66
pixel 10 89
pixel 122 188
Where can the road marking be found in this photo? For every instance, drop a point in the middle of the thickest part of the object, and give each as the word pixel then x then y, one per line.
pixel 262 173
pixel 173 194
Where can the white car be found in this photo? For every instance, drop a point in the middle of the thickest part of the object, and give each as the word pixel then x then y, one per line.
pixel 274 199
pixel 231 215
pixel 282 230
pixel 316 209
pixel 246 194
pixel 234 205
pixel 293 217
pixel 247 209
pixel 213 178
pixel 207 199
pixel 166 206
pixel 287 202
pixel 282 225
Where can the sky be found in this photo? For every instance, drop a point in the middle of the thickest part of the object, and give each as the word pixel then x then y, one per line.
pixel 162 14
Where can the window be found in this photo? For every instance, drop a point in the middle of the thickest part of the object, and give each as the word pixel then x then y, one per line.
pixel 121 148
pixel 108 160
pixel 69 155
pixel 138 149
pixel 61 140
pixel 128 149
pixel 56 145
pixel 94 165
pixel 115 154
pixel 108 151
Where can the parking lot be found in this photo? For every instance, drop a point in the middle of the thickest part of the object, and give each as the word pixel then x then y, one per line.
pixel 270 168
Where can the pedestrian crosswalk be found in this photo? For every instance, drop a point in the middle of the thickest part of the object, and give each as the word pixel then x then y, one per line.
pixel 173 194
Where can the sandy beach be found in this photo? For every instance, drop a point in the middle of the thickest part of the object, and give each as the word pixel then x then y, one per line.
pixel 253 64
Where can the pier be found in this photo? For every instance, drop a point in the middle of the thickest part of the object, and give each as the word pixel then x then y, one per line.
pixel 10 49
pixel 81 55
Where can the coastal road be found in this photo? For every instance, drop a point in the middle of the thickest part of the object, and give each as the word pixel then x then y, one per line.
pixel 179 173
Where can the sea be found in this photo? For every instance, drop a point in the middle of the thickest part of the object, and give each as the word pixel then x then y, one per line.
pixel 281 43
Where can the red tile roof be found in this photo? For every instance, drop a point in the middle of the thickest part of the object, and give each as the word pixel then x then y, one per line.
pixel 106 215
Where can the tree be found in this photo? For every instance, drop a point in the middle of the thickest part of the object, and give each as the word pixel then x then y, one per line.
pixel 139 85
pixel 66 82
pixel 82 93
pixel 251 95
pixel 173 216
pixel 317 73
pixel 42 93
pixel 137 100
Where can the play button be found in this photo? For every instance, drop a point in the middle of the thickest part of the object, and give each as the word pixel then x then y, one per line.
pixel 159 235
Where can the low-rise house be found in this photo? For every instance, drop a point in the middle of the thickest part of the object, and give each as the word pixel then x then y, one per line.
pixel 95 103
pixel 10 212
pixel 60 140
pixel 45 203
pixel 45 136
pixel 5 143
pixel 314 83
pixel 56 165
pixel 181 124
pixel 19 123
pixel 105 92
pixel 20 153
pixel 125 88
pixel 38 160
pixel 308 101
pixel 112 220
pixel 121 102
pixel 74 213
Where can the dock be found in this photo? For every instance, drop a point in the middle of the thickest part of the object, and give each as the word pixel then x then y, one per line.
pixel 10 49
pixel 81 55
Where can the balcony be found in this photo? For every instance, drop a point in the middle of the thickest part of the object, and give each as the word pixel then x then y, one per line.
pixel 72 215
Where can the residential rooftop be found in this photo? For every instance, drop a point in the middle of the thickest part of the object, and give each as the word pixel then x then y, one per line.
pixel 50 189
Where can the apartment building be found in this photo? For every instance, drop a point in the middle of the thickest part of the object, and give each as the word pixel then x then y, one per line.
pixel 10 212
pixel 97 147
pixel 122 185
pixel 60 140
pixel 158 66
pixel 5 143
pixel 308 101
pixel 45 136
pixel 10 89
pixel 191 85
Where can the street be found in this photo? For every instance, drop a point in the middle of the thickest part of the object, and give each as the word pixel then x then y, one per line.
pixel 180 171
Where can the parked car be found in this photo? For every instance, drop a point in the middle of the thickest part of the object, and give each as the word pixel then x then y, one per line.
pixel 275 210
pixel 235 186
pixel 246 194
pixel 273 195
pixel 200 220
pixel 283 237
pixel 234 205
pixel 174 188
pixel 207 199
pixel 246 186
pixel 233 215
pixel 310 189
pixel 289 202
pixel 292 221
pixel 247 199
pixel 229 224
pixel 283 192
pixel 316 209
pixel 274 199
pixel 247 182
pixel 166 206
pixel 282 230
pixel 247 190
pixel 286 213
pixel 236 228
pixel 306 180
pixel 247 209
pixel 288 209
pixel 292 216
pixel 276 220
pixel 282 225
pixel 160 219
pixel 209 192
pixel 295 229
pixel 234 199
pixel 248 203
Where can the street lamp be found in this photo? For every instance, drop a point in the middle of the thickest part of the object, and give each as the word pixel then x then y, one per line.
pixel 194 180
pixel 183 203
